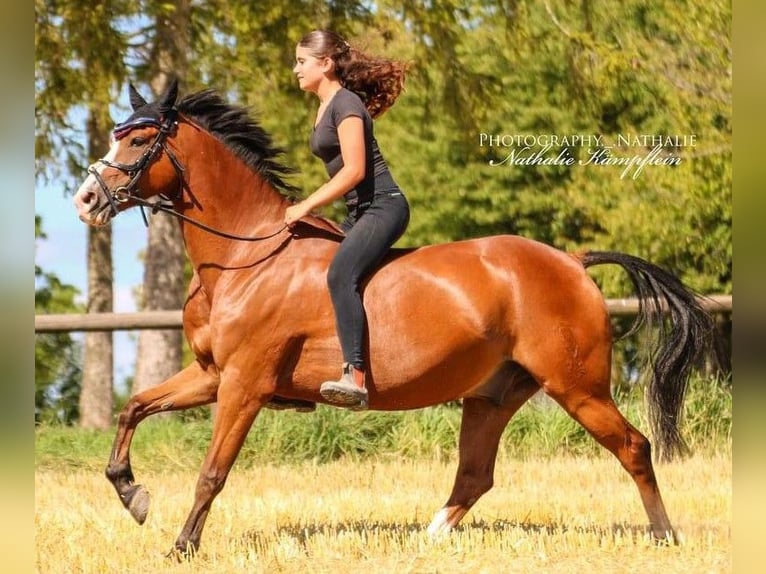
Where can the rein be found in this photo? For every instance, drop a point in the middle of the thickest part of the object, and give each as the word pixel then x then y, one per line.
pixel 135 171
pixel 157 206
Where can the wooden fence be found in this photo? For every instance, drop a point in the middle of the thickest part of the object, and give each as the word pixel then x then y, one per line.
pixel 173 319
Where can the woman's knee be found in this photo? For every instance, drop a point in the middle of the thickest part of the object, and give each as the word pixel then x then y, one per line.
pixel 339 276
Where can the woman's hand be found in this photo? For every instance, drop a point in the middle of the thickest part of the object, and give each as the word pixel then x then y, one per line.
pixel 296 212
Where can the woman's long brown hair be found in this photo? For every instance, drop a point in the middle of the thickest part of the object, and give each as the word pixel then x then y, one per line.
pixel 377 81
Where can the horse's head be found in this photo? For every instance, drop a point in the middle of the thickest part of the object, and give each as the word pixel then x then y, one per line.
pixel 139 164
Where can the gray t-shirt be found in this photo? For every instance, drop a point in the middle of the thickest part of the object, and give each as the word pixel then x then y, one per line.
pixel 325 145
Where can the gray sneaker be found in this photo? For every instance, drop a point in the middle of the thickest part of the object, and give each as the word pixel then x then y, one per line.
pixel 346 392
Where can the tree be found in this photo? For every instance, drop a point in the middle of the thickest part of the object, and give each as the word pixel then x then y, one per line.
pixel 78 59
pixel 529 68
pixel 160 351
pixel 57 355
pixel 96 397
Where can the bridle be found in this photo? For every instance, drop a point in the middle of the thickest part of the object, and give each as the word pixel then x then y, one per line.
pixel 135 170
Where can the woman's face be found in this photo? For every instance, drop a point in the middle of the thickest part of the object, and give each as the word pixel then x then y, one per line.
pixel 309 69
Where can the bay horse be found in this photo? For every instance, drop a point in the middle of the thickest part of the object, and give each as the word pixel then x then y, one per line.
pixel 489 321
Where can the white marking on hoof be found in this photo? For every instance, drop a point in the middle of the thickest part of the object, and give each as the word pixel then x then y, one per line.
pixel 439 526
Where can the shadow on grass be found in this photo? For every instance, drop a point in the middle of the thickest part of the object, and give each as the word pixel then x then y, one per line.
pixel 304 533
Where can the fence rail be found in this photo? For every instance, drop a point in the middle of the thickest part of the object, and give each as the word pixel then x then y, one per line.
pixel 173 319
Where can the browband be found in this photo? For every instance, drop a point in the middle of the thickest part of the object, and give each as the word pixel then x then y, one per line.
pixel 121 130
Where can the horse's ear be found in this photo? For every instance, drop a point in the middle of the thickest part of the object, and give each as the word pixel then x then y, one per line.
pixel 169 99
pixel 136 99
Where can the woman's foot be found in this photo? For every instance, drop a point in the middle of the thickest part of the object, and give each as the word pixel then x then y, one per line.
pixel 349 391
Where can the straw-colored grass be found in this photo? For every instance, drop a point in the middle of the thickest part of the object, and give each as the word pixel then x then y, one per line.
pixel 563 514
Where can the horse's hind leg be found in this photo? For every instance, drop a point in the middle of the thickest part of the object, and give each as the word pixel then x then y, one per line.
pixel 586 397
pixel 190 387
pixel 482 426
pixel 602 419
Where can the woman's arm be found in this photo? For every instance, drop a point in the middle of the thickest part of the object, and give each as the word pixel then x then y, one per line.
pixel 352 150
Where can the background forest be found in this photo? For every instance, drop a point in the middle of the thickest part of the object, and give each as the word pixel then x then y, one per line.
pixel 585 67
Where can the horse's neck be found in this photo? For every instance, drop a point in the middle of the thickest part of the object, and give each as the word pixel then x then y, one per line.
pixel 224 194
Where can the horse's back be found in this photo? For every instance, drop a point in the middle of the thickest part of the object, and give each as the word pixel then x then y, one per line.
pixel 508 264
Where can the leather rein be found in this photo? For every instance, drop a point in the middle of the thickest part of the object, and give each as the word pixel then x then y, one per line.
pixel 135 170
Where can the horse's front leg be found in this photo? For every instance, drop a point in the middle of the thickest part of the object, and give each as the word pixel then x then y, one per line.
pixel 191 387
pixel 238 405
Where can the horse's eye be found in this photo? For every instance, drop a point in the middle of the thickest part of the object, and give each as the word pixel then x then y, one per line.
pixel 138 141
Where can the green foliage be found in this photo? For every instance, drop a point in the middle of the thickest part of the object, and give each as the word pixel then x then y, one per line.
pixel 332 433
pixel 79 51
pixel 519 68
pixel 633 68
pixel 539 429
pixel 708 415
pixel 57 355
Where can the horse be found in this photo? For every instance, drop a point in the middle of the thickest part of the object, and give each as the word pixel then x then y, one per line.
pixel 486 322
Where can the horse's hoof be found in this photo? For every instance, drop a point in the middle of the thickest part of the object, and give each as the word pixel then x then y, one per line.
pixel 669 538
pixel 137 503
pixel 182 552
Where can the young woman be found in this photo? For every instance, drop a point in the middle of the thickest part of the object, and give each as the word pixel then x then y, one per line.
pixel 353 88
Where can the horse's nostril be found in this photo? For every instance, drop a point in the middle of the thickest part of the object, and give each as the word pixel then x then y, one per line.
pixel 88 198
pixel 85 199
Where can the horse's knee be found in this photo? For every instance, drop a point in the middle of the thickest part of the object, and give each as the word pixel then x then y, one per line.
pixel 639 447
pixel 130 413
pixel 210 483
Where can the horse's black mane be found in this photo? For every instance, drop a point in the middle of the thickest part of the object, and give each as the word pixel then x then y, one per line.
pixel 234 126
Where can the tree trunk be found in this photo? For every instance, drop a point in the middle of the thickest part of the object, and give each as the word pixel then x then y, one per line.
pixel 96 398
pixel 160 352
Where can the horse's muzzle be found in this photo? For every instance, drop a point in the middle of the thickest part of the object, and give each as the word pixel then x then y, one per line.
pixel 92 208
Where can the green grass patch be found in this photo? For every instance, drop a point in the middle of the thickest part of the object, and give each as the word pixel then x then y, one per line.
pixel 541 428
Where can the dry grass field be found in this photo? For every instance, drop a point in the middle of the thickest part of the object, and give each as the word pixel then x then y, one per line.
pixel 560 515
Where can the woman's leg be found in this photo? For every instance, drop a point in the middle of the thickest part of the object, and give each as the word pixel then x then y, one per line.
pixel 363 248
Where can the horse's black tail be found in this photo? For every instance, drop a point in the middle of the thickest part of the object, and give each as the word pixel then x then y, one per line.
pixel 679 341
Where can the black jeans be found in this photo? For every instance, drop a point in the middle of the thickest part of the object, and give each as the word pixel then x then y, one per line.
pixel 367 241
